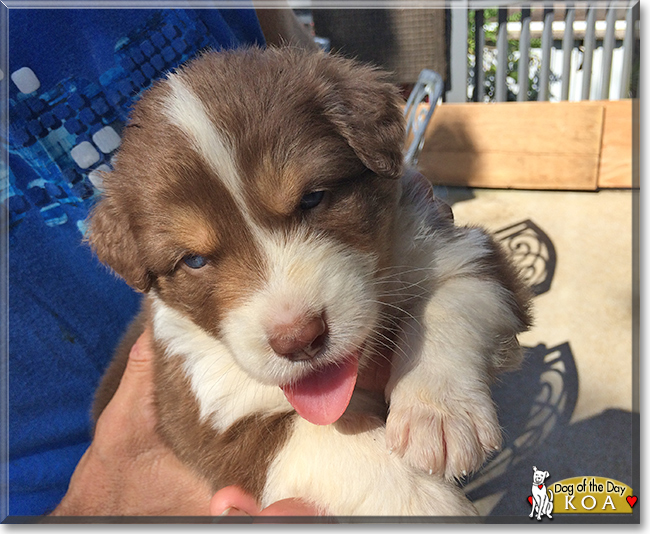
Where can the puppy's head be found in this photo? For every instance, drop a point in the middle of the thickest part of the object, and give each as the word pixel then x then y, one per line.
pixel 255 193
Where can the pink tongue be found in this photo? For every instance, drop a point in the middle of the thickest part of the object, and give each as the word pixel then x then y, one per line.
pixel 322 397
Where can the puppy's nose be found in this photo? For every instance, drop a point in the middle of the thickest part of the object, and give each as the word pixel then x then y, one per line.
pixel 299 341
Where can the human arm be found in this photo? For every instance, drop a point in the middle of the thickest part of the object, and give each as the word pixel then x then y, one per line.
pixel 128 470
pixel 280 26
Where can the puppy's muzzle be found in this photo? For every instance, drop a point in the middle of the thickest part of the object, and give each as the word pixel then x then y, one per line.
pixel 300 340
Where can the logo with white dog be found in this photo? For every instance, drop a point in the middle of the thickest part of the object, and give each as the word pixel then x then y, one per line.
pixel 542 498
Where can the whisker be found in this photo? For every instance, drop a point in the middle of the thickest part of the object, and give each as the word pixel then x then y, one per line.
pixel 402 310
pixel 388 343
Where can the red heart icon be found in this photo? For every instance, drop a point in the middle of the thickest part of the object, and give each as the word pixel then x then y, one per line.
pixel 540 486
pixel 631 500
pixel 530 500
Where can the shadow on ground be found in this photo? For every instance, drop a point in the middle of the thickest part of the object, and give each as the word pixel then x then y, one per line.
pixel 535 407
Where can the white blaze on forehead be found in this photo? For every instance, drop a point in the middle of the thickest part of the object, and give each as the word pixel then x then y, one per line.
pixel 184 109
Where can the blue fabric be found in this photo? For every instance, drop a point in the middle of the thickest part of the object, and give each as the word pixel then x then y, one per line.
pixel 67 312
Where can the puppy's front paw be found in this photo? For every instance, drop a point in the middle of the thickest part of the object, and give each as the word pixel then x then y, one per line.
pixel 447 434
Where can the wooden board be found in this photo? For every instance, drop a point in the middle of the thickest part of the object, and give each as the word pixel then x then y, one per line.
pixel 616 150
pixel 511 170
pixel 531 145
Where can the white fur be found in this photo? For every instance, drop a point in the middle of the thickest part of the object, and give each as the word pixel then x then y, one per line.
pixel 224 392
pixel 442 417
pixel 186 111
pixel 438 388
pixel 354 474
pixel 308 276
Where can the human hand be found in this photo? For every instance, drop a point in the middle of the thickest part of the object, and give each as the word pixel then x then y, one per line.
pixel 232 502
pixel 128 470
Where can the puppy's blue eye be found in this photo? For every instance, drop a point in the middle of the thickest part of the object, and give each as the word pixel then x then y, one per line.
pixel 311 200
pixel 194 261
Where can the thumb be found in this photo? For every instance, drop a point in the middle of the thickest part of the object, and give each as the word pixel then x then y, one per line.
pixel 134 395
pixel 138 374
pixel 232 500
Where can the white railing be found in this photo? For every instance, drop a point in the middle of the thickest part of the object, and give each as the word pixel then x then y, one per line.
pixel 587 59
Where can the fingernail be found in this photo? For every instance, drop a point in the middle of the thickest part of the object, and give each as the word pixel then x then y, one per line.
pixel 232 511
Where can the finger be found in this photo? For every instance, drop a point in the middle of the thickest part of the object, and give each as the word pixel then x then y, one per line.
pixel 134 395
pixel 138 375
pixel 141 354
pixel 232 500
pixel 290 507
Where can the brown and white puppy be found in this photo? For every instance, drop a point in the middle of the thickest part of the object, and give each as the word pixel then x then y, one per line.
pixel 258 201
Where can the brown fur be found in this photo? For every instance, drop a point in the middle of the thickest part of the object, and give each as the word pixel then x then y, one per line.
pixel 283 97
pixel 238 456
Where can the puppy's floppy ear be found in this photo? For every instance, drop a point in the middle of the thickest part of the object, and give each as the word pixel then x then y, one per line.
pixel 111 238
pixel 369 116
